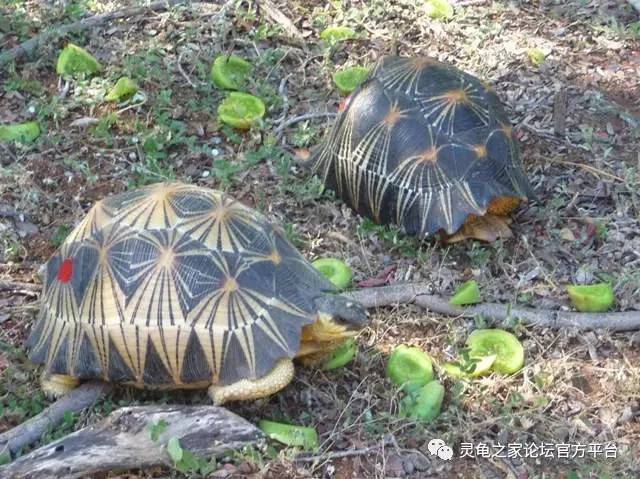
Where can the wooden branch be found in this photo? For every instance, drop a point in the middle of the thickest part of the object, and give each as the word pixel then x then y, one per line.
pixel 419 293
pixel 123 441
pixel 33 429
pixel 84 24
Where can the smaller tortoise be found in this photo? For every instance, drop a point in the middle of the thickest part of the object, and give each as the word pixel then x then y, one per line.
pixel 425 146
pixel 176 286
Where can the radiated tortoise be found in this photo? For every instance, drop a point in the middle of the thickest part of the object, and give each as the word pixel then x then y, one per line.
pixel 177 286
pixel 425 146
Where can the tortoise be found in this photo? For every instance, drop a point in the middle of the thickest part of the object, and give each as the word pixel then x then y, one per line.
pixel 176 286
pixel 428 147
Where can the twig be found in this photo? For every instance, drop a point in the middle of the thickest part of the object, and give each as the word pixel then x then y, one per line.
pixel 21 288
pixel 9 152
pixel 281 19
pixel 33 43
pixel 123 441
pixel 32 430
pixel 184 74
pixel 341 454
pixel 296 119
pixel 591 169
pixel 419 293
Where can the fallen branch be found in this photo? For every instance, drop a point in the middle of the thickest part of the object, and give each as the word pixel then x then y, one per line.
pixel 84 24
pixel 16 287
pixel 419 293
pixel 123 441
pixel 33 429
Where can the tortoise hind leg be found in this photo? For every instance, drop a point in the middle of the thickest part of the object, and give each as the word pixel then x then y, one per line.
pixel 246 389
pixel 56 385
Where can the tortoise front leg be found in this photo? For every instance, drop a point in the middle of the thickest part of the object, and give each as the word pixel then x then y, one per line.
pixel 56 385
pixel 245 389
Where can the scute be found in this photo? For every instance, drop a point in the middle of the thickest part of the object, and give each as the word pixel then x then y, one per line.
pixel 413 144
pixel 173 285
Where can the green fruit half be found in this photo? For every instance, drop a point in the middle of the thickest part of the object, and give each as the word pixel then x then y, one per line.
pixel 409 367
pixel 475 368
pixel 439 9
pixel 124 89
pixel 594 298
pixel 305 437
pixel 74 60
pixel 337 34
pixel 335 271
pixel 467 293
pixel 241 110
pixel 230 72
pixel 348 79
pixel 508 350
pixel 426 403
pixel 20 132
pixel 342 355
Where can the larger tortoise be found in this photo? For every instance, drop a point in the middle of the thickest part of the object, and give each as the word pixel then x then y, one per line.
pixel 176 286
pixel 425 146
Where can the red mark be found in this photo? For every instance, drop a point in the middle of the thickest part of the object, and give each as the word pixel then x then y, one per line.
pixel 66 270
pixel 343 104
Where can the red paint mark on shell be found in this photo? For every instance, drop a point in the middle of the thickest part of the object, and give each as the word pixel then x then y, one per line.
pixel 66 270
pixel 343 104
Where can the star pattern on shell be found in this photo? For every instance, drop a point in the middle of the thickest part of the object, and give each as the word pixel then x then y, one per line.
pixel 172 285
pixel 422 145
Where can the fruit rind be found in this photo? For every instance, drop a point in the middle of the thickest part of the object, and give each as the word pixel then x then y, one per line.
pixel 305 437
pixel 230 72
pixel 342 356
pixel 76 60
pixel 253 109
pixel 509 351
pixel 594 298
pixel 335 270
pixel 467 293
pixel 409 367
pixel 20 132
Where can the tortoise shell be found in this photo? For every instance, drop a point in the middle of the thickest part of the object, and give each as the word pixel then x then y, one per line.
pixel 173 286
pixel 423 145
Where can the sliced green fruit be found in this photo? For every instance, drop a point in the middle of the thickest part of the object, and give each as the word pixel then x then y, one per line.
pixel 124 89
pixel 230 72
pixel 467 293
pixel 337 34
pixel 74 60
pixel 439 9
pixel 508 350
pixel 342 356
pixel 335 270
pixel 241 110
pixel 409 367
pixel 348 79
pixel 305 437
pixel 593 298
pixel 536 56
pixel 481 366
pixel 425 403
pixel 20 132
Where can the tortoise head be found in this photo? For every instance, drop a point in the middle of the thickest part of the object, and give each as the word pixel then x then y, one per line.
pixel 338 319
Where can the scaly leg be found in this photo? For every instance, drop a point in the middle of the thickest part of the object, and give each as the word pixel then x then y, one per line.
pixel 245 389
pixel 56 385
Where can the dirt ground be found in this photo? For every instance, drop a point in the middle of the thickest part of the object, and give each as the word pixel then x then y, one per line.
pixel 584 226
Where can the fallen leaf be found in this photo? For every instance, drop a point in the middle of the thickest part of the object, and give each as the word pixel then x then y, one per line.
pixel 381 279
